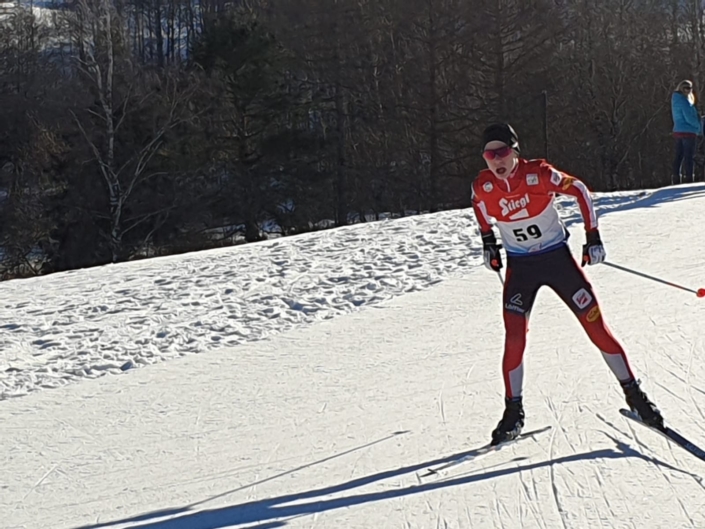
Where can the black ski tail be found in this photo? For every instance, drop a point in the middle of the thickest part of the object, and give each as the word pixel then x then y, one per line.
pixel 668 433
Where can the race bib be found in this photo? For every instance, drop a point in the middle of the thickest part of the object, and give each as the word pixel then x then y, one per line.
pixel 524 236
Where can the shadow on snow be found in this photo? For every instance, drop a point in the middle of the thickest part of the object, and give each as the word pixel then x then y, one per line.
pixel 267 513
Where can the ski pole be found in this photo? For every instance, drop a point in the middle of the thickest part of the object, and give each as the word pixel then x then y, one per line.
pixel 700 292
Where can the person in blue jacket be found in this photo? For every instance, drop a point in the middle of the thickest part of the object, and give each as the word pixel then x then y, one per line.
pixel 687 126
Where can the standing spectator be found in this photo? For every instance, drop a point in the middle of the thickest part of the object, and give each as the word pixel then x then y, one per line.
pixel 687 126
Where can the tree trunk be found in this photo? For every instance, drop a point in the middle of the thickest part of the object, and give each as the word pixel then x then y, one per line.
pixel 433 138
pixel 341 176
pixel 159 36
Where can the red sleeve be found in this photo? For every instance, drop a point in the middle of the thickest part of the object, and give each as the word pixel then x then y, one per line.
pixel 478 206
pixel 564 184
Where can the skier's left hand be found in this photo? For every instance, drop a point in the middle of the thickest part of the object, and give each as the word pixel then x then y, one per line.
pixel 593 249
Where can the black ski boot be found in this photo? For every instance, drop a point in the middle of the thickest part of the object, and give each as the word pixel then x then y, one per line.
pixel 640 404
pixel 512 422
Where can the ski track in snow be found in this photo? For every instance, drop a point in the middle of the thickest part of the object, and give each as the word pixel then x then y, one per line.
pixel 88 323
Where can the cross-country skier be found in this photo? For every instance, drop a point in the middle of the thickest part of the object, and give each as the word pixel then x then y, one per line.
pixel 518 194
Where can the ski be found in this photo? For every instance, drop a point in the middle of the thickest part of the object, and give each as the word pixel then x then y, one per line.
pixel 668 433
pixel 478 452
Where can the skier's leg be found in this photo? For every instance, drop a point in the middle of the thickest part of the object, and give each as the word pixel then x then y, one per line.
pixel 520 288
pixel 512 364
pixel 575 290
pixel 571 285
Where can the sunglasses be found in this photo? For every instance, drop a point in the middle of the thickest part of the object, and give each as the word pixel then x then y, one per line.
pixel 491 154
pixel 686 87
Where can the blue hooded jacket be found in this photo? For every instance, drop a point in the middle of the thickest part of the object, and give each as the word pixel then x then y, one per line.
pixel 685 115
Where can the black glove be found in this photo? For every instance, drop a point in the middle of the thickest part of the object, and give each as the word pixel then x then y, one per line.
pixel 490 252
pixel 593 250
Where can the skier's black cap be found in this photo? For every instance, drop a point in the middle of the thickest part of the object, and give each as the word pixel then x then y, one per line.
pixel 501 132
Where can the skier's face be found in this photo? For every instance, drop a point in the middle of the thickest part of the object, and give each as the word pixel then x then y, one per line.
pixel 500 158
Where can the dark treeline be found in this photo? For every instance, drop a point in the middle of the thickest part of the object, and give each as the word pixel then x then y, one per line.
pixel 135 128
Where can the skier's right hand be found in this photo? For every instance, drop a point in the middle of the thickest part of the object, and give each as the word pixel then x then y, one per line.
pixel 490 252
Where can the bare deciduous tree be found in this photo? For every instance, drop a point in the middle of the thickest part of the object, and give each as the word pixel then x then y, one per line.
pixel 101 36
